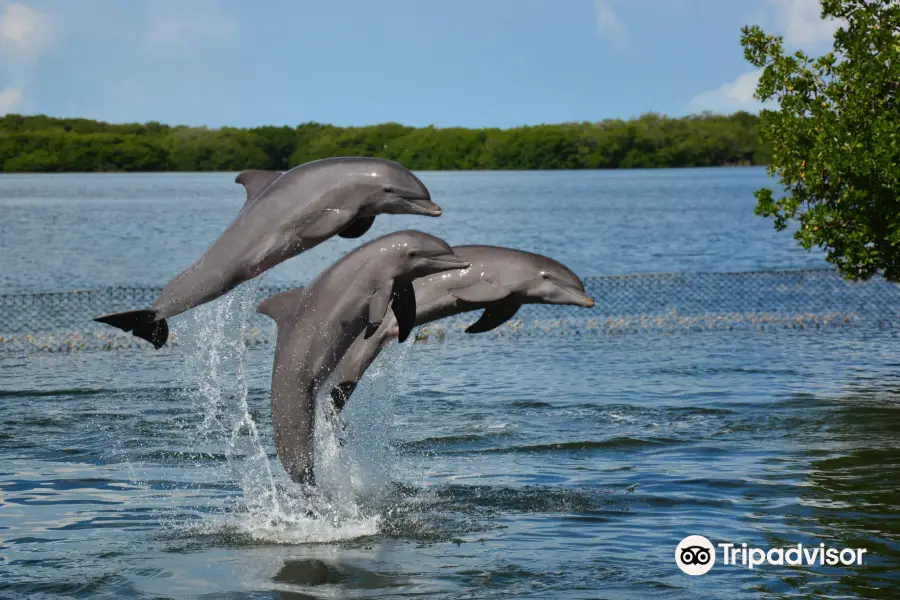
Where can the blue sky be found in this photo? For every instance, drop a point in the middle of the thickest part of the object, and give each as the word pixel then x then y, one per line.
pixel 469 63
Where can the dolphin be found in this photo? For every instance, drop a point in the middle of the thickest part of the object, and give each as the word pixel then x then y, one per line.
pixel 317 324
pixel 285 214
pixel 499 280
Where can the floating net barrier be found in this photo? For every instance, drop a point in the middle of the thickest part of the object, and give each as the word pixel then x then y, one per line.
pixel 626 304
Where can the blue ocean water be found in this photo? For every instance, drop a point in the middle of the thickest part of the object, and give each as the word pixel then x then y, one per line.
pixel 540 466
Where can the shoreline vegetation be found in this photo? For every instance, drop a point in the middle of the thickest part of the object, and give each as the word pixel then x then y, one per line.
pixel 41 144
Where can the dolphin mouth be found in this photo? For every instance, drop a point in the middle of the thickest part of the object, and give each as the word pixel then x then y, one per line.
pixel 580 298
pixel 424 206
pixel 449 261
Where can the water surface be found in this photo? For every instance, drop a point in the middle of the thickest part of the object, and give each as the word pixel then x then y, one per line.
pixel 540 466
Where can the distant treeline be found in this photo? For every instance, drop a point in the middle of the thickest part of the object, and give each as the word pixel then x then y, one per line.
pixel 45 144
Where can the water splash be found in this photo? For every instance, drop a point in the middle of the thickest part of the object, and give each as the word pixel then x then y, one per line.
pixel 216 367
pixel 354 466
pixel 354 453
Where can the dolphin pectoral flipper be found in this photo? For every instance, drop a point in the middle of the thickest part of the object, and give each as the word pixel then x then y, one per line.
pixel 281 305
pixel 256 180
pixel 404 307
pixel 480 292
pixel 327 223
pixel 141 323
pixel 378 306
pixel 357 227
pixel 494 316
pixel 340 394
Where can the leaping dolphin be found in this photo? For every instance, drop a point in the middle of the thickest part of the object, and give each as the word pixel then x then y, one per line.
pixel 285 214
pixel 317 324
pixel 499 280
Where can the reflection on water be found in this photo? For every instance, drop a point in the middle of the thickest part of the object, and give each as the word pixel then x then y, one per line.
pixel 315 572
pixel 849 494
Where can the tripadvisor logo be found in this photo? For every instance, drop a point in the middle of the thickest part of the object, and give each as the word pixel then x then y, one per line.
pixel 696 555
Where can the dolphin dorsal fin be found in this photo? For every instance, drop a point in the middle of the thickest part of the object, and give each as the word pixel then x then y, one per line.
pixel 281 305
pixel 256 180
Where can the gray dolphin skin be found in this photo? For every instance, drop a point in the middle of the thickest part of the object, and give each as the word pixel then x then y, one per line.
pixel 499 280
pixel 285 214
pixel 317 324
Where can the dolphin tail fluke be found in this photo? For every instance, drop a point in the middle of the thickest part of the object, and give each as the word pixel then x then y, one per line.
pixel 141 323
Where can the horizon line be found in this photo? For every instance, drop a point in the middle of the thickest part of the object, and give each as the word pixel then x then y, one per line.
pixel 635 117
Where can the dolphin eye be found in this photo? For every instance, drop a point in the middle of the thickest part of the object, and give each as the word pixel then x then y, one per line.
pixel 544 276
pixel 388 189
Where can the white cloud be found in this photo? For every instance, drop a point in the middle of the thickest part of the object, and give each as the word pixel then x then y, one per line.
pixel 608 23
pixel 24 32
pixel 731 97
pixel 180 30
pixel 9 99
pixel 801 24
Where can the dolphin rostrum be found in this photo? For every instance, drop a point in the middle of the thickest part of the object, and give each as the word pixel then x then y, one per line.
pixel 500 280
pixel 285 214
pixel 317 324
